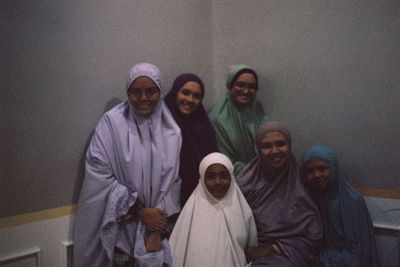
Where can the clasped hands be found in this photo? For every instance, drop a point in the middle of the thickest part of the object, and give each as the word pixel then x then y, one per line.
pixel 155 221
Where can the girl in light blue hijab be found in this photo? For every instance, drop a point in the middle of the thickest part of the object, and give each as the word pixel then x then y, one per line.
pixel 348 232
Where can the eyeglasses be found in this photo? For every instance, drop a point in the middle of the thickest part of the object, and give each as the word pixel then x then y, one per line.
pixel 138 92
pixel 251 87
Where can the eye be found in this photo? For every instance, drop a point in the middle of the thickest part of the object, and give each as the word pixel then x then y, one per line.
pixel 197 95
pixel 210 176
pixel 240 84
pixel 185 92
pixel 151 90
pixel 225 175
pixel 281 143
pixel 322 168
pixel 266 145
pixel 135 91
pixel 252 86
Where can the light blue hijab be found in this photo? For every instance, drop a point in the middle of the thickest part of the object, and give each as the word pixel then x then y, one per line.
pixel 348 232
pixel 128 159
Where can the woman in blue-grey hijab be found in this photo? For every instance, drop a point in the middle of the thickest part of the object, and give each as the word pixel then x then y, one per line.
pixel 348 233
pixel 131 185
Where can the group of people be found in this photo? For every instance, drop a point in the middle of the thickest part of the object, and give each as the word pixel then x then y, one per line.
pixel 167 184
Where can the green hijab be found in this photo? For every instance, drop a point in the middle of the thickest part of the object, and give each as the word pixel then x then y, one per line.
pixel 236 127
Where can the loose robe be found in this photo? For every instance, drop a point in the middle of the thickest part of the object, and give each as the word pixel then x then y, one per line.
pixel 348 232
pixel 128 160
pixel 213 232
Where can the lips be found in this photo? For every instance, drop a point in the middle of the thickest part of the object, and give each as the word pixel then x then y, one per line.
pixel 186 106
pixel 219 191
pixel 276 158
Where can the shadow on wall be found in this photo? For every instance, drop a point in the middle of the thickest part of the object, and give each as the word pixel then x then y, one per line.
pixel 81 166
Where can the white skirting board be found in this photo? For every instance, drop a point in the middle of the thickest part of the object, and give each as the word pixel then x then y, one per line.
pixel 48 243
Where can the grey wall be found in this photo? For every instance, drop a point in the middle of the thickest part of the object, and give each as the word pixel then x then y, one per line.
pixel 63 64
pixel 328 70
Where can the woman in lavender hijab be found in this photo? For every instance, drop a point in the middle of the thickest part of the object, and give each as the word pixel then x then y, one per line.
pixel 131 185
pixel 288 222
pixel 184 100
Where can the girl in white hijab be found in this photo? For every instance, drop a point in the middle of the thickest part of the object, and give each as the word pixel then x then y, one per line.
pixel 216 224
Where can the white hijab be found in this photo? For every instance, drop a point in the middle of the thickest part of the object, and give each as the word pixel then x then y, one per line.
pixel 211 232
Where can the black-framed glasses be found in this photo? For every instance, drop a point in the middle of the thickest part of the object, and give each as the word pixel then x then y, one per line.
pixel 138 92
pixel 251 87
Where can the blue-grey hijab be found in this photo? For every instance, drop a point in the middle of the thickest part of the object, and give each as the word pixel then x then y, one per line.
pixel 348 233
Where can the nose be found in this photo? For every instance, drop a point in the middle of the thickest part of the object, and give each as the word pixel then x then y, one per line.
pixel 274 149
pixel 189 98
pixel 143 96
pixel 317 174
pixel 218 181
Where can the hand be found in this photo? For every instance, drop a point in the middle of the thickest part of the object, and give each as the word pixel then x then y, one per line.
pixel 153 242
pixel 253 253
pixel 154 219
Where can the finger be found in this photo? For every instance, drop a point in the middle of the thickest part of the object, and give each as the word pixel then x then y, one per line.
pixel 159 229
pixel 162 213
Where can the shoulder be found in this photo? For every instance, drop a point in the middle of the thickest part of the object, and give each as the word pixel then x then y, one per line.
pixel 216 111
pixel 118 111
pixel 114 116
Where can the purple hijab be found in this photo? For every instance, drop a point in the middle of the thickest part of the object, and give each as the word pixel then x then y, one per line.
pixel 127 160
pixel 198 136
pixel 284 212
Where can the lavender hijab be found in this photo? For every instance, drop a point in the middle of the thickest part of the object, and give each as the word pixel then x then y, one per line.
pixel 127 160
pixel 198 136
pixel 283 211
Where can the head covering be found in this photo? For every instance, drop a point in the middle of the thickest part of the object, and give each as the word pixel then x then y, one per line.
pixel 210 231
pixel 348 232
pixel 148 70
pixel 235 71
pixel 284 212
pixel 198 135
pixel 236 127
pixel 128 161
pixel 272 126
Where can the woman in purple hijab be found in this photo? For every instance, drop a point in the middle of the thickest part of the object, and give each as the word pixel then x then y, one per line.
pixel 288 222
pixel 131 185
pixel 198 137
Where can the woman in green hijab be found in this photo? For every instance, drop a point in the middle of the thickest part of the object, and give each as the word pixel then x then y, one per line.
pixel 237 117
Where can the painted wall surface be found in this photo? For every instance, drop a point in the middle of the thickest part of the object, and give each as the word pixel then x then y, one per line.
pixel 328 70
pixel 64 63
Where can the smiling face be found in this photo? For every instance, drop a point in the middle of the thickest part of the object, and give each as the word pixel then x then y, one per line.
pixel 317 173
pixel 274 151
pixel 188 97
pixel 217 180
pixel 143 94
pixel 244 89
